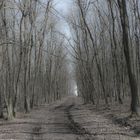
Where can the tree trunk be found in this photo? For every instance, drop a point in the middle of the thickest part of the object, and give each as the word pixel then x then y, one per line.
pixel 131 76
pixel 10 112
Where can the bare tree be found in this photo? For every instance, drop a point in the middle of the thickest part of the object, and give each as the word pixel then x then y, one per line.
pixel 125 33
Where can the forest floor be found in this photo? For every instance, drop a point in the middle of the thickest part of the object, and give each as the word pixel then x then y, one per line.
pixel 70 119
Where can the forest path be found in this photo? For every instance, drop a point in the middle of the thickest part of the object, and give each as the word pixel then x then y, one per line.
pixel 68 119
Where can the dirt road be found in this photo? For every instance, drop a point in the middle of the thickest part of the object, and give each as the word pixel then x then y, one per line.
pixel 64 120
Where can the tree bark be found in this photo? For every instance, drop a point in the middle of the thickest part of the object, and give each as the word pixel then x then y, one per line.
pixel 125 42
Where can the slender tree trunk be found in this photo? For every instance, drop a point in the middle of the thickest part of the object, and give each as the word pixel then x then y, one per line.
pixel 131 76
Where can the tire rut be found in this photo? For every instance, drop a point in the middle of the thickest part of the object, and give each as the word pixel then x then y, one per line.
pixel 75 127
pixel 37 133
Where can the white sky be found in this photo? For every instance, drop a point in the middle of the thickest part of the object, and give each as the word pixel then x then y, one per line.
pixel 63 6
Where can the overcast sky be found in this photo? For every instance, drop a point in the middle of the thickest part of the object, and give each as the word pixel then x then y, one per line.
pixel 63 7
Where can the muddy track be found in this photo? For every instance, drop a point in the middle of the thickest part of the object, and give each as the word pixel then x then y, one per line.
pixel 37 133
pixel 65 120
pixel 61 113
pixel 75 127
pixel 70 125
